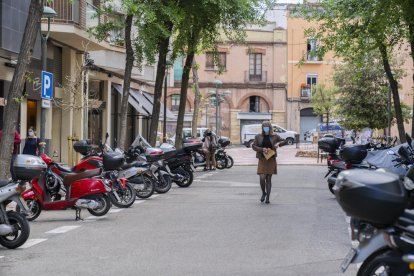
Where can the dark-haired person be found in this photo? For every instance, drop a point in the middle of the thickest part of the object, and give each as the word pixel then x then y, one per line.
pixel 31 146
pixel 263 142
pixel 209 148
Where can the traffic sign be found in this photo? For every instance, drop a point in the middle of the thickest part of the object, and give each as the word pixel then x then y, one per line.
pixel 47 85
pixel 45 103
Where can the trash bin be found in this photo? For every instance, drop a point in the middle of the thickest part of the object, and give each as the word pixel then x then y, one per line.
pixel 297 137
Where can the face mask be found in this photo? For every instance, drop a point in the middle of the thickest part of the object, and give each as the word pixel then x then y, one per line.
pixel 266 130
pixel 31 133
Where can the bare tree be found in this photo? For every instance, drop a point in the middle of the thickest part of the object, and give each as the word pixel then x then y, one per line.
pixel 197 98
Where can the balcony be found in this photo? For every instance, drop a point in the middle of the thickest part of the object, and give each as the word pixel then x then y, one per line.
pixel 255 78
pixel 305 93
pixel 72 22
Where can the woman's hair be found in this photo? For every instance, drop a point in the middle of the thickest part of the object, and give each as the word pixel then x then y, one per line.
pixel 267 124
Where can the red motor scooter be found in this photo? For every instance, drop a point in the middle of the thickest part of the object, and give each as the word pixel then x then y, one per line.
pixel 82 190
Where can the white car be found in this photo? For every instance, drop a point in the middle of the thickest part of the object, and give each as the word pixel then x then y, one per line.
pixel 187 136
pixel 249 132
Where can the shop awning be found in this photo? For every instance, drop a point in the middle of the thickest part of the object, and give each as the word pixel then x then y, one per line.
pixel 150 98
pixel 132 101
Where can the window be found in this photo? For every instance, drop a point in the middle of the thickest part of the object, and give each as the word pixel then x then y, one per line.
pixel 254 105
pixel 255 67
pixel 211 63
pixel 311 50
pixel 311 81
pixel 278 129
pixel 175 102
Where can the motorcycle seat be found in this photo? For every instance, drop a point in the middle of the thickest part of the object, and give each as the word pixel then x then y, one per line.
pixel 72 177
pixel 4 183
pixel 126 166
pixel 63 169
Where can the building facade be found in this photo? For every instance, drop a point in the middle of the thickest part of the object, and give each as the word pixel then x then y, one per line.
pixel 252 83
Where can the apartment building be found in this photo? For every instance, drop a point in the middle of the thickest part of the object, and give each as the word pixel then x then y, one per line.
pixel 251 83
pixel 88 78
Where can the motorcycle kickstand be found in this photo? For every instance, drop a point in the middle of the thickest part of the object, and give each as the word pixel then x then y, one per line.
pixel 78 214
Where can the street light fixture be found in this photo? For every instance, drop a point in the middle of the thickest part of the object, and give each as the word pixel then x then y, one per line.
pixel 168 64
pixel 48 13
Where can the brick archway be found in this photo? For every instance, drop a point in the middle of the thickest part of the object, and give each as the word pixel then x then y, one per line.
pixel 227 99
pixel 248 95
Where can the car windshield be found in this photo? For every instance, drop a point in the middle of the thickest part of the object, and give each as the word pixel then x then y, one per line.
pixel 139 140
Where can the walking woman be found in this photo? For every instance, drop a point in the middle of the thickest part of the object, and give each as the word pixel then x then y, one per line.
pixel 31 146
pixel 263 144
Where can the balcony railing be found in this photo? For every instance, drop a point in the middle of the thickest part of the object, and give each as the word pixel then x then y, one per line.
pixel 67 11
pixel 78 12
pixel 305 93
pixel 255 78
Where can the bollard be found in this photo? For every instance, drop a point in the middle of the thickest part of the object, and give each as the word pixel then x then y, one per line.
pixel 297 137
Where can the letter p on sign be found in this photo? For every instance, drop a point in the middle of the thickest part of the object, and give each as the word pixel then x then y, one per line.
pixel 47 85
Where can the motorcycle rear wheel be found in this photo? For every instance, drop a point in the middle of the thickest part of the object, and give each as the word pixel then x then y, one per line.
pixel 221 162
pixel 331 185
pixel 34 207
pixel 20 236
pixel 230 162
pixel 126 195
pixel 163 184
pixel 104 206
pixel 374 265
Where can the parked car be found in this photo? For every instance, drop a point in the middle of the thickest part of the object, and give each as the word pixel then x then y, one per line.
pixel 250 131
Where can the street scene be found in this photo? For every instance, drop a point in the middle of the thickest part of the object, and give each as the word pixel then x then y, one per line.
pixel 208 137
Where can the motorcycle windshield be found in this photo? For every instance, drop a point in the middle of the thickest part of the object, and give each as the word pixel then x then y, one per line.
pixel 140 141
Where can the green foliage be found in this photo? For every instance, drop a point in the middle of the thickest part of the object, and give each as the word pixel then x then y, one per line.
pixel 363 93
pixel 323 99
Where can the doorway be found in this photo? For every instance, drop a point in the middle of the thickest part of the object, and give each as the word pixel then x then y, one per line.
pixel 31 114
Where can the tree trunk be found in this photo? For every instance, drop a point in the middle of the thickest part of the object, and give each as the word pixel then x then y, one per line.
pixel 127 81
pixel 196 100
pixel 11 110
pixel 394 90
pixel 411 41
pixel 183 99
pixel 327 122
pixel 159 80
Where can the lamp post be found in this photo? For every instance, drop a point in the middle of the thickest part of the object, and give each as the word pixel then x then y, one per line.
pixel 217 82
pixel 48 13
pixel 164 127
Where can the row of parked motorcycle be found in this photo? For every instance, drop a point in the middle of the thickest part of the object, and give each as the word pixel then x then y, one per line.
pixel 103 177
pixel 374 185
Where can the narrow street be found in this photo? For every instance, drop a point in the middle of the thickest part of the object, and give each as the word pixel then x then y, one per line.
pixel 215 227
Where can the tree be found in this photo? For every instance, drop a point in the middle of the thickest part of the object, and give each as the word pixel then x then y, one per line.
pixel 11 110
pixel 363 93
pixel 197 98
pixel 354 28
pixel 203 24
pixel 324 101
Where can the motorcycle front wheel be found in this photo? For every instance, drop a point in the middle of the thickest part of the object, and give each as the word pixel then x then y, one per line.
pixel 21 231
pixel 148 186
pixel 34 209
pixel 221 162
pixel 188 177
pixel 230 162
pixel 126 196
pixel 163 183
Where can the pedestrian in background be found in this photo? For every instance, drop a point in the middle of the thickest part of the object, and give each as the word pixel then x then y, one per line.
pixel 31 146
pixel 209 149
pixel 263 144
pixel 16 145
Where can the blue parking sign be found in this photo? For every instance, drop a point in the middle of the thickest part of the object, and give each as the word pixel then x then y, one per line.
pixel 47 85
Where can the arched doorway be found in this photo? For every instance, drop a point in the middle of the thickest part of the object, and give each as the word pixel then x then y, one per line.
pixel 308 121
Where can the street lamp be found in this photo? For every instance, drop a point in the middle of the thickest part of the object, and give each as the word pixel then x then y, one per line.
pixel 48 13
pixel 217 82
pixel 168 63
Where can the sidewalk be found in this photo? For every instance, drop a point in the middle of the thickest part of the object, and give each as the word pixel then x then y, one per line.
pixel 285 156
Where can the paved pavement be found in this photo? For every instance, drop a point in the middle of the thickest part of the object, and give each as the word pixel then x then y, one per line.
pixel 285 156
pixel 217 226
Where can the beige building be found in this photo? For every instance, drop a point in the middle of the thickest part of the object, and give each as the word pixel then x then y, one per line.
pixel 253 88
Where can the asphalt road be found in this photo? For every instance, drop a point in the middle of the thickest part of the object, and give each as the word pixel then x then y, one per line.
pixel 215 227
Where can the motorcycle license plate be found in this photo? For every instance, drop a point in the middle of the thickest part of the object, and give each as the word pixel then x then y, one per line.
pixel 348 259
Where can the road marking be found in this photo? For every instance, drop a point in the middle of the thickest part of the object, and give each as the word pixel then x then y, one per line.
pixel 94 218
pixel 139 201
pixel 1 257
pixel 31 242
pixel 154 196
pixel 115 210
pixel 62 229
